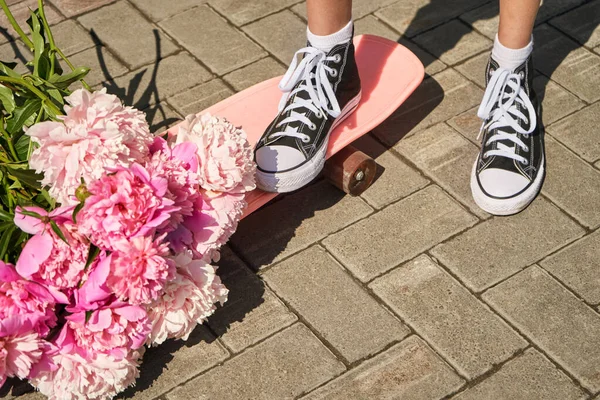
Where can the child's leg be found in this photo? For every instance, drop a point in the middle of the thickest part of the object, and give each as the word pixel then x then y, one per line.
pixel 328 16
pixel 509 170
pixel 320 90
pixel 516 22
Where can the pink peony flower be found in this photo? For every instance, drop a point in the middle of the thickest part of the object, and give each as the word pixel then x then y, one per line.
pixel 20 347
pixel 215 219
pixel 19 297
pixel 114 329
pixel 48 260
pixel 97 133
pixel 138 270
pixel 224 154
pixel 78 375
pixel 178 166
pixel 188 300
pixel 124 205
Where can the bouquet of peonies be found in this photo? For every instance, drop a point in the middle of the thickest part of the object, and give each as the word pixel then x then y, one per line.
pixel 108 231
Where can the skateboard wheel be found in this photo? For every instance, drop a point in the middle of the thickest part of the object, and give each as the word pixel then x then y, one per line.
pixel 350 170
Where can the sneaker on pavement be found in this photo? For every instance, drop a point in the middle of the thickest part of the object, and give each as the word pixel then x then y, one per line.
pixel 320 90
pixel 509 170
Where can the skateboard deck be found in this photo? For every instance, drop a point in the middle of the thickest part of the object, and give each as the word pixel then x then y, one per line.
pixel 389 73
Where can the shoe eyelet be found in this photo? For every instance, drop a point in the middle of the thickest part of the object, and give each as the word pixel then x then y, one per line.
pixel 526 149
pixel 318 115
pixel 525 163
pixel 313 127
pixel 306 139
pixel 333 73
pixel 522 75
pixel 337 58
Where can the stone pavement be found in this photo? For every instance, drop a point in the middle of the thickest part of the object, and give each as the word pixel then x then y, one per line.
pixel 408 291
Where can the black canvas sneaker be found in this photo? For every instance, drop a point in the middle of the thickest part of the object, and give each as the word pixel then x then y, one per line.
pixel 509 170
pixel 320 91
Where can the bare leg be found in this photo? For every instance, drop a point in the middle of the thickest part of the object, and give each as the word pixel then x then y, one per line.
pixel 516 22
pixel 329 16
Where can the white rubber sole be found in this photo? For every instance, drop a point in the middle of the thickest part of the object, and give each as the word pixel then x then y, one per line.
pixel 508 206
pixel 284 182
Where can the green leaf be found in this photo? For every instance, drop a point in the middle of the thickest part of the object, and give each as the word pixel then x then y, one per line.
pixel 57 230
pixel 65 81
pixel 22 147
pixel 16 186
pixel 7 98
pixel 48 198
pixel 21 115
pixel 88 315
pixel 6 216
pixel 78 208
pixel 30 214
pixel 7 69
pixel 40 65
pixel 94 251
pixel 50 111
pixel 5 240
pixel 27 176
pixel 56 95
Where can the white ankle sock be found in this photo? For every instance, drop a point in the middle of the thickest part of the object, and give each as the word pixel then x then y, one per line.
pixel 510 58
pixel 327 42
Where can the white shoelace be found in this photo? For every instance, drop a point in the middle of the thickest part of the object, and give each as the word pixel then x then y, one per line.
pixel 322 97
pixel 506 114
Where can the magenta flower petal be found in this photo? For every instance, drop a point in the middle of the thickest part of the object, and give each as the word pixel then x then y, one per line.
pixel 28 224
pixel 36 251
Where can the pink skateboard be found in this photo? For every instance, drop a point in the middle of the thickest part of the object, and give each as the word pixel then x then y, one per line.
pixel 389 73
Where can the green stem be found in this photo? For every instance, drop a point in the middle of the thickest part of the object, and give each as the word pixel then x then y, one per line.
pixel 32 88
pixel 48 34
pixel 15 25
pixel 11 147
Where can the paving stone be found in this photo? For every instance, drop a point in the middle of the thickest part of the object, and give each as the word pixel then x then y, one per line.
pixel 156 82
pixel 175 362
pixel 136 42
pixel 474 68
pixel 360 8
pixel 485 19
pixel 557 102
pixel 21 13
pixel 210 38
pixel 510 244
pixel 16 52
pixel 412 17
pixel 334 304
pixel 157 11
pixel 457 325
pixel 291 34
pixel 447 158
pixel 394 180
pixel 580 24
pixel 577 267
pixel 468 125
pixel 579 132
pixel 252 312
pixel 437 99
pixel 453 42
pixel 398 233
pixel 200 97
pixel 243 12
pixel 284 366
pixel 529 376
pixel 555 320
pixel 407 371
pixel 572 184
pixel 567 63
pixel 295 222
pixel 254 73
pixel 373 26
pixel 161 117
pixel 103 65
pixel 71 8
pixel 71 38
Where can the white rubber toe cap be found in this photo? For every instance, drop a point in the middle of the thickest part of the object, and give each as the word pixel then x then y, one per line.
pixel 278 158
pixel 502 183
